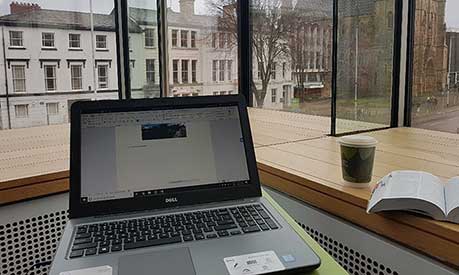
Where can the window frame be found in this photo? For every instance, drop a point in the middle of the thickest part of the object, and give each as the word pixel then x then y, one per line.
pixel 17 39
pixel 150 72
pixel 104 84
pixel 184 38
pixel 104 42
pixel 52 78
pixel 44 40
pixel 72 40
pixel 150 39
pixel 16 108
pixel 185 71
pixel 77 78
pixel 15 78
pixel 48 104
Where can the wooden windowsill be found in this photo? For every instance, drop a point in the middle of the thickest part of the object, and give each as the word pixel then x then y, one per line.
pixel 294 156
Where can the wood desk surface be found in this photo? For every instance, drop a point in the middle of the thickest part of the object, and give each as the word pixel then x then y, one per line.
pixel 310 170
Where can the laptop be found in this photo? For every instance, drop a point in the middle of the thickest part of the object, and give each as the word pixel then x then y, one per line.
pixel 170 186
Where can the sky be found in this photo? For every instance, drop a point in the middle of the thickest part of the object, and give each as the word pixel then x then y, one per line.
pixel 105 6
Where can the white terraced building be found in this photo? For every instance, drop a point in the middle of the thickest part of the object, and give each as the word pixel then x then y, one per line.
pixel 52 58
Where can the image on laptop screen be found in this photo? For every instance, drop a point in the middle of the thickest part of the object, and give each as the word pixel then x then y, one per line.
pixel 147 153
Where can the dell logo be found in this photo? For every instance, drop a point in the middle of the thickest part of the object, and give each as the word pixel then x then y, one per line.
pixel 170 200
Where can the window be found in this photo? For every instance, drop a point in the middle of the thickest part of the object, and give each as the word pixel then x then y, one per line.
pixel 50 77
pixel 215 93
pixel 194 65
pixel 284 68
pixel 184 71
pixel 221 40
pixel 47 39
pixel 16 39
pixel 221 68
pixel 193 39
pixel 229 64
pixel 19 80
pixel 174 38
pixel 101 41
pixel 52 109
pixel 260 70
pixel 150 71
pixel 214 40
pixel 230 92
pixel 74 40
pixel 273 71
pixel 175 70
pixel 184 39
pixel 214 70
pixel 223 93
pixel 273 95
pixel 76 77
pixel 102 76
pixel 149 37
pixel 21 110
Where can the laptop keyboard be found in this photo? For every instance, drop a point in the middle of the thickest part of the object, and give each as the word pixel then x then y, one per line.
pixel 108 237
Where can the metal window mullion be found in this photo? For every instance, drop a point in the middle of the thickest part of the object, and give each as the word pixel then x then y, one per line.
pixel 163 48
pixel 334 68
pixel 409 62
pixel 398 20
pixel 122 43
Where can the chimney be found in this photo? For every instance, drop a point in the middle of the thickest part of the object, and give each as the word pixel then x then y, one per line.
pixel 187 7
pixel 19 7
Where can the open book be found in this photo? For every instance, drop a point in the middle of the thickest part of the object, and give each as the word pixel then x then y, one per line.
pixel 418 192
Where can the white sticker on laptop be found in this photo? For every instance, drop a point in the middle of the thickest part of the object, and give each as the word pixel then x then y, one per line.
pixel 255 263
pixel 100 270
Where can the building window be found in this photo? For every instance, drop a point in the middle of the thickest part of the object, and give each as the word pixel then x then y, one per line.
pixel 184 39
pixel 16 39
pixel 284 69
pixel 390 20
pixel 21 110
pixel 74 40
pixel 273 71
pixel 273 95
pixel 215 93
pixel 47 39
pixel 52 108
pixel 193 39
pixel 50 77
pixel 76 77
pixel 184 71
pixel 214 70
pixel 101 41
pixel 175 71
pixel 149 38
pixel 150 71
pixel 102 76
pixel 230 69
pixel 194 65
pixel 221 40
pixel 221 74
pixel 19 81
pixel 222 93
pixel 214 40
pixel 174 38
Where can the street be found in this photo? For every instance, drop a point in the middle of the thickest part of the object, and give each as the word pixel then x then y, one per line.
pixel 446 122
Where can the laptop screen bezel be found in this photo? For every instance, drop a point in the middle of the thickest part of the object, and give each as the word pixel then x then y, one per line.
pixel 191 197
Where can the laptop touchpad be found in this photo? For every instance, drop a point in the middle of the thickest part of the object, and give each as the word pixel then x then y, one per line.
pixel 170 261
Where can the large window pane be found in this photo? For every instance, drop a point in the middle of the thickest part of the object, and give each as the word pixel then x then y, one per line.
pixel 291 56
pixel 435 80
pixel 203 54
pixel 51 58
pixel 144 49
pixel 365 61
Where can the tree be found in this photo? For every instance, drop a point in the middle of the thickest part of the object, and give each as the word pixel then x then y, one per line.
pixel 269 36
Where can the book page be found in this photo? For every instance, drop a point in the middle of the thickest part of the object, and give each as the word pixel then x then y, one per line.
pixel 452 194
pixel 416 185
pixel 378 193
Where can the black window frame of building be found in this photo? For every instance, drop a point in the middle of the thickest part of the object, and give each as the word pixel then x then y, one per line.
pixel 245 55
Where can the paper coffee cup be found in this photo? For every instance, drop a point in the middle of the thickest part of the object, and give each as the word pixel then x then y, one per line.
pixel 357 159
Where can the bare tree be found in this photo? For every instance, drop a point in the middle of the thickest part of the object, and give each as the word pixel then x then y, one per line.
pixel 269 39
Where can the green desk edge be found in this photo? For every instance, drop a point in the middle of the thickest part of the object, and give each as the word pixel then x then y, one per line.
pixel 328 265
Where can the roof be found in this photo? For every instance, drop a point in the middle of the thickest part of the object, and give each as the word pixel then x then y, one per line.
pixel 149 17
pixel 324 8
pixel 356 7
pixel 60 19
pixel 316 8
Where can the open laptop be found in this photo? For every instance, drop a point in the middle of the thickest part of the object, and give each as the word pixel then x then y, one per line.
pixel 170 186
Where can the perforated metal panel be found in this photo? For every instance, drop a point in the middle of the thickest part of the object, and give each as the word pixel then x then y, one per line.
pixel 353 261
pixel 28 242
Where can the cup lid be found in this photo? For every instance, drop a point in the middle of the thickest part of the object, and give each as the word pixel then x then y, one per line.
pixel 358 141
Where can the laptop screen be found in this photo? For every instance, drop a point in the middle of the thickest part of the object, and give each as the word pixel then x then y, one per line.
pixel 147 153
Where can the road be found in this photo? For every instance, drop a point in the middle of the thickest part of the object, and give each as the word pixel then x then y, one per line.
pixel 447 122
